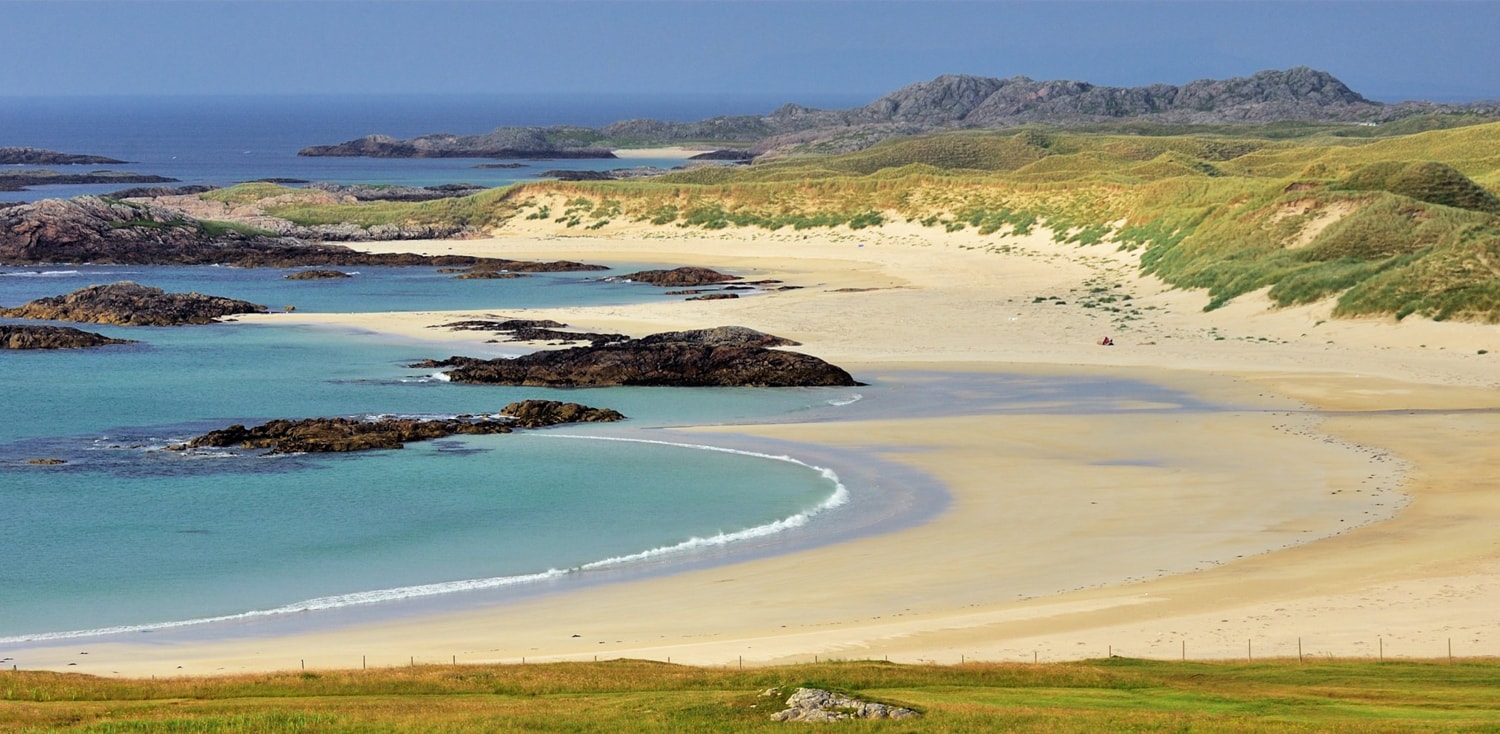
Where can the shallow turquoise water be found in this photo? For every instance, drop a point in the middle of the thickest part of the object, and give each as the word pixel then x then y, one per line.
pixel 126 534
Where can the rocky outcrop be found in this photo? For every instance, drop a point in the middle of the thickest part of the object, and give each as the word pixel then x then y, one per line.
pixel 683 277
pixel 20 180
pixel 40 157
pixel 724 155
pixel 657 360
pixel 713 297
pixel 318 275
pixel 132 304
pixel 337 435
pixel 613 174
pixel 818 705
pixel 152 192
pixel 89 229
pixel 25 336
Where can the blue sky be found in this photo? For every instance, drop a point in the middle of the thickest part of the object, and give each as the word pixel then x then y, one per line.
pixel 1386 50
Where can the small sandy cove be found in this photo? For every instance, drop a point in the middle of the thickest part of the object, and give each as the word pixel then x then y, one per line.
pixel 1349 506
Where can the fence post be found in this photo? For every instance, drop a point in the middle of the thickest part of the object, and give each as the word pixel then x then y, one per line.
pixel 1299 649
pixel 1249 655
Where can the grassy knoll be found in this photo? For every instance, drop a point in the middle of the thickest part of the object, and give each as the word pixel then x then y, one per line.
pixel 1383 222
pixel 639 696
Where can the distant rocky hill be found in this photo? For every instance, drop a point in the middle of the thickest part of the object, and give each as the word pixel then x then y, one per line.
pixel 945 103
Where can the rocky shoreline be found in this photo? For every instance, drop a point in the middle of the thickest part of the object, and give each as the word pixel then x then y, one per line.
pixel 25 156
pixel 132 304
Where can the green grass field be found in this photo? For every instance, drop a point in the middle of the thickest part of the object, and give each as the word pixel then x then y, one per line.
pixel 637 696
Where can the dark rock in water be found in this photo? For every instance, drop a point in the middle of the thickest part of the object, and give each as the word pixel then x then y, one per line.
pixel 655 360
pixel 501 165
pixel 337 435
pixel 543 413
pixel 687 292
pixel 25 336
pixel 40 157
pixel 714 297
pixel 132 304
pixel 45 462
pixel 480 273
pixel 723 155
pixel 280 181
pixel 318 275
pixel 686 276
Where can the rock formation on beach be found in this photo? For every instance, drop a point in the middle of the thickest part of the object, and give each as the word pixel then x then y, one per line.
pixel 728 357
pixel 132 304
pixel 530 330
pixel 26 336
pixel 335 435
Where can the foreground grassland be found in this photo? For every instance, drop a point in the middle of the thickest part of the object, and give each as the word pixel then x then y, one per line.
pixel 637 696
pixel 1393 224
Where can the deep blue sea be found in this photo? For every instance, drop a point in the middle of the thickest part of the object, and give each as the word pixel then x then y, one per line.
pixel 126 534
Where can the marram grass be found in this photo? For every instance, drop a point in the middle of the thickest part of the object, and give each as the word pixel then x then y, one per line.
pixel 1116 694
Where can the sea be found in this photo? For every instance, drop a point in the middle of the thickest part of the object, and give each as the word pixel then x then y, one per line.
pixel 128 536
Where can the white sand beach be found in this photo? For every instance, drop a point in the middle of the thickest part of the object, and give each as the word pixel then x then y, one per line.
pixel 1350 504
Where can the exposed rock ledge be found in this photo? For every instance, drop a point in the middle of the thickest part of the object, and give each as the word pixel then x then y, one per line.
pixel 685 276
pixel 26 336
pixel 337 435
pixel 41 157
pixel 724 357
pixel 818 705
pixel 132 304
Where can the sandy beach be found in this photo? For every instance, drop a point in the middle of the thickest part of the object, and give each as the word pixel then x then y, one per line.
pixel 1340 498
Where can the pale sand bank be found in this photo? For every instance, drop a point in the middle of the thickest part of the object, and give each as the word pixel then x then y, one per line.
pixel 1067 536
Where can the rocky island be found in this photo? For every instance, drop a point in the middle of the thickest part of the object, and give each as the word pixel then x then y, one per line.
pixel 337 435
pixel 22 179
pixel 132 304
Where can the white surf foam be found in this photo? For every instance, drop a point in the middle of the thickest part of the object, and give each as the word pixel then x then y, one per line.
pixel 838 497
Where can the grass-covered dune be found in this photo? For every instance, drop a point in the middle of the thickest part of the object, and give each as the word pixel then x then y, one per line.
pixel 1384 223
pixel 1116 694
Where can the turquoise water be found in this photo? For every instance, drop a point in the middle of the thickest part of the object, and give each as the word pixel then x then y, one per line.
pixel 126 534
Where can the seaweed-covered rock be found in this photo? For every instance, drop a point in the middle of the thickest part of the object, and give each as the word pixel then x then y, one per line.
pixel 26 336
pixel 132 304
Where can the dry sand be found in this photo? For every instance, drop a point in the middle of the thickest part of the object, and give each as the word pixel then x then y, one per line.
pixel 1349 504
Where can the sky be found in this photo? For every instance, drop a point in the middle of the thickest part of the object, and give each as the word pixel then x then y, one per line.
pixel 1389 51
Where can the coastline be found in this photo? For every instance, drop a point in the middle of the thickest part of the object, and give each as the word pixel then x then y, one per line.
pixel 1198 540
